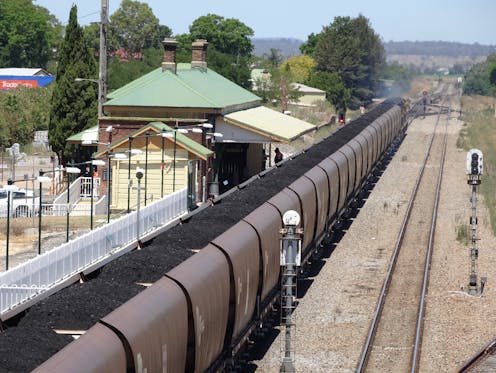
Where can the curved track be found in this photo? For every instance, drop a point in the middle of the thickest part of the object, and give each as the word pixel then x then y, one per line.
pixel 394 339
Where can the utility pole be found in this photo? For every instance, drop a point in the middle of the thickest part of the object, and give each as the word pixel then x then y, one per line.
pixel 102 70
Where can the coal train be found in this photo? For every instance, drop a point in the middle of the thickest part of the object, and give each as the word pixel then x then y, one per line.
pixel 199 314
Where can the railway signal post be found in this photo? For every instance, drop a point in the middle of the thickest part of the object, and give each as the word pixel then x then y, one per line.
pixel 474 174
pixel 290 259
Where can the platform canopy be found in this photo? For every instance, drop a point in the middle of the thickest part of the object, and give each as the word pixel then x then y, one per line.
pixel 268 124
pixel 90 135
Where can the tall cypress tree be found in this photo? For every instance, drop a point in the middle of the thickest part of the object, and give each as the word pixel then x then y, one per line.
pixel 74 104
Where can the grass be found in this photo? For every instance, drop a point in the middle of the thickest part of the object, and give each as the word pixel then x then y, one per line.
pixel 479 132
pixel 462 234
pixel 48 224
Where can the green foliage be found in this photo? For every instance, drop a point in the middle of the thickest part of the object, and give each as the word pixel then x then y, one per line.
pixel 123 72
pixel 27 34
pixel 462 234
pixel 336 92
pixel 229 46
pixel 301 67
pixel 134 27
pixel 274 59
pixel 23 111
pixel 398 78
pixel 227 35
pixel 481 79
pixel 479 133
pixel 74 104
pixel 310 45
pixel 271 90
pixel 351 48
pixel 92 38
pixel 492 74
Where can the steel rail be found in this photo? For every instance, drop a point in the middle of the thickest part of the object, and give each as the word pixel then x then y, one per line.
pixel 392 265
pixel 489 349
pixel 419 328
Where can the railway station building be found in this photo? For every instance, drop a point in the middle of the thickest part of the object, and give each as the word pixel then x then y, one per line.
pixel 192 125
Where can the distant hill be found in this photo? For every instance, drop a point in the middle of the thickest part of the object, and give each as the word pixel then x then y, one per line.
pixel 438 48
pixel 419 54
pixel 427 56
pixel 287 46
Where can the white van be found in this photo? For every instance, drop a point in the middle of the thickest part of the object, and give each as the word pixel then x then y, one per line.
pixel 23 203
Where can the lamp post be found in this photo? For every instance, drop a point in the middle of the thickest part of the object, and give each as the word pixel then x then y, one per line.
pixel 147 136
pixel 107 144
pixel 169 135
pixel 93 163
pixel 129 175
pixel 41 179
pixel 9 189
pixel 139 176
pixel 204 127
pixel 162 166
pixel 69 170
pixel 109 176
pixel 130 152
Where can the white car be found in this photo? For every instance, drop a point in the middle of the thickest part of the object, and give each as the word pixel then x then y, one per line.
pixel 23 203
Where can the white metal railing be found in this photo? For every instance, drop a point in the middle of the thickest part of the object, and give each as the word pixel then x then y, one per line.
pixel 38 275
pixel 86 186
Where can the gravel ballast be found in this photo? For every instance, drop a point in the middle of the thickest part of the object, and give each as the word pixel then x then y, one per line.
pixel 333 318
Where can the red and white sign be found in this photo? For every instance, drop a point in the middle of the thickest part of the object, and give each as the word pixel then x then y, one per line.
pixel 11 84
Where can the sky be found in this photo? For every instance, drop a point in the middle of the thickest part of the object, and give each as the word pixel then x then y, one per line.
pixel 466 21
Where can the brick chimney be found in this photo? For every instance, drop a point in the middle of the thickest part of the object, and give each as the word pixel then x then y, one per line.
pixel 169 55
pixel 199 54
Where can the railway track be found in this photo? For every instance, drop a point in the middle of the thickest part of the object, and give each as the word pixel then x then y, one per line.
pixel 395 336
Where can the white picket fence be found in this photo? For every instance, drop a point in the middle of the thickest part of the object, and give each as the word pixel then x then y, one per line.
pixel 41 276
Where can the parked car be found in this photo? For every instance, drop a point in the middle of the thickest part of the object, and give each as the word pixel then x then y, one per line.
pixel 23 202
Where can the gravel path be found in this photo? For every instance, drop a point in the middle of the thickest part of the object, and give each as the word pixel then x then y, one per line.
pixel 333 318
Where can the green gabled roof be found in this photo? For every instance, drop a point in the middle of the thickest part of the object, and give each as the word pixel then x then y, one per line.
pixel 90 134
pixel 159 127
pixel 188 88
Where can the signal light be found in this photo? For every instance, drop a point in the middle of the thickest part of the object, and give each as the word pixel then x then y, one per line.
pixel 475 164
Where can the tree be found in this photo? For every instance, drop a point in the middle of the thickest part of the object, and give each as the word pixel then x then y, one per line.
pixel 336 91
pixel 351 48
pixel 26 35
pixel 25 110
pixel 74 104
pixel 134 27
pixel 227 35
pixel 275 86
pixel 274 59
pixel 479 79
pixel 123 72
pixel 398 78
pixel 310 45
pixel 229 46
pixel 301 67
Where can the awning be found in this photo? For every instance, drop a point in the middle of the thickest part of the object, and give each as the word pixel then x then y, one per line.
pixel 157 128
pixel 90 134
pixel 269 123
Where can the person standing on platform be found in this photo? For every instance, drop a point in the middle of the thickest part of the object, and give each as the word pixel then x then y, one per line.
pixel 278 156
